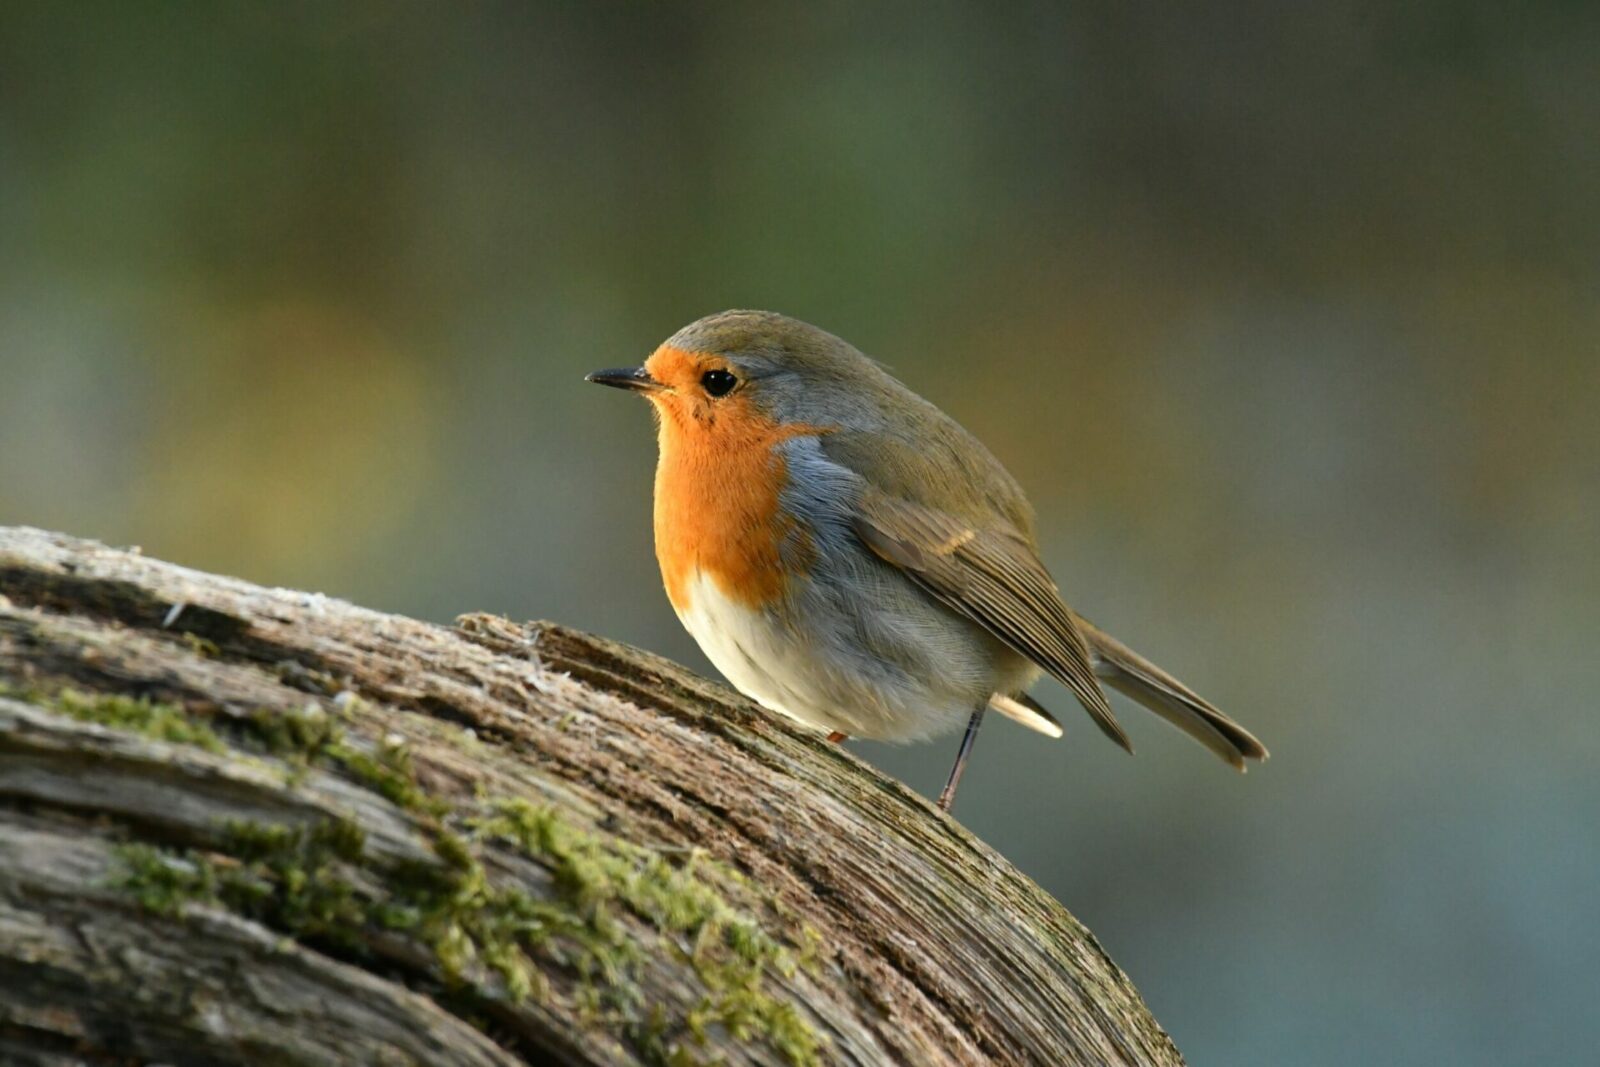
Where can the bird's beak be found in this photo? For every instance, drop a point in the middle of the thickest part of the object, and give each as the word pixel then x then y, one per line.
pixel 636 378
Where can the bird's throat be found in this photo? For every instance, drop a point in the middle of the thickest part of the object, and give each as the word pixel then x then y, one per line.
pixel 718 506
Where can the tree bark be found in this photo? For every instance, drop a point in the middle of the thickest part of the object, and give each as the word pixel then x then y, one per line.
pixel 249 825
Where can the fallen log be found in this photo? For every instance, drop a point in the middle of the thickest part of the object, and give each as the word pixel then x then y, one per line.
pixel 258 826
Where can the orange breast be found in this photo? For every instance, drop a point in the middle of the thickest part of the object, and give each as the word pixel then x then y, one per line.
pixel 717 503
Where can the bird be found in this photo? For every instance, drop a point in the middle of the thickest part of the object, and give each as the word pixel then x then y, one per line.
pixel 847 555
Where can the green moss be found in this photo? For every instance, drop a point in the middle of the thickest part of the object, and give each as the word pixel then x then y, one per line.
pixel 294 879
pixel 163 881
pixel 309 736
pixel 388 771
pixel 149 718
pixel 297 879
pixel 599 875
pixel 467 921
pixel 305 881
pixel 298 735
pixel 333 839
pixel 202 646
pixel 309 882
pixel 303 737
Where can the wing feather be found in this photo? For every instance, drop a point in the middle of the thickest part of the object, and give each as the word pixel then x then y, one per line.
pixel 993 577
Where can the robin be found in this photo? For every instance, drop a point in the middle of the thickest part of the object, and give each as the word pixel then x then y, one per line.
pixel 846 554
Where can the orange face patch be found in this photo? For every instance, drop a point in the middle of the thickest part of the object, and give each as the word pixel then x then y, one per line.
pixel 717 484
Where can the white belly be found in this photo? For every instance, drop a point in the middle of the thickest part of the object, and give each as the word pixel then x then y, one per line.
pixel 817 676
pixel 740 642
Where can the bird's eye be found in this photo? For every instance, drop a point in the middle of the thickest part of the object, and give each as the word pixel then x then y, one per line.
pixel 718 382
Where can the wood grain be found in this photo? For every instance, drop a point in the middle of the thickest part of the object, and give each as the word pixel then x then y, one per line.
pixel 546 847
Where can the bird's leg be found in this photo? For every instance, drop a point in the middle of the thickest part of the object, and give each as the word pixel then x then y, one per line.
pixel 947 795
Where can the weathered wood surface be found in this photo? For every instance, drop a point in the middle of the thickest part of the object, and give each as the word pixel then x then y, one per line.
pixel 333 836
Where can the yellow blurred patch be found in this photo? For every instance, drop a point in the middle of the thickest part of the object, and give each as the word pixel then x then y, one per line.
pixel 299 436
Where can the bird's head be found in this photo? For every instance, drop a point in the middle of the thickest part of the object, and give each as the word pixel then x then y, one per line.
pixel 741 368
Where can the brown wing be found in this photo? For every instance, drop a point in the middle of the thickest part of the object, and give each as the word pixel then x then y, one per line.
pixel 994 578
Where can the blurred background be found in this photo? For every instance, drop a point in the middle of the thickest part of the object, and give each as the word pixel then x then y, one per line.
pixel 1287 319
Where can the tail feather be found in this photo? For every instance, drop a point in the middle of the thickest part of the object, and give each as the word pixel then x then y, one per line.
pixel 1134 676
pixel 1023 709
